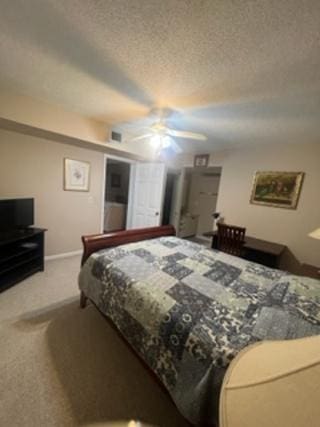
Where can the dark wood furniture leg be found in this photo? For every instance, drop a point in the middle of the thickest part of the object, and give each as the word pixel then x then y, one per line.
pixel 83 300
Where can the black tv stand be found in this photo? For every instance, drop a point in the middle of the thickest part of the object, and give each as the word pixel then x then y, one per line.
pixel 21 255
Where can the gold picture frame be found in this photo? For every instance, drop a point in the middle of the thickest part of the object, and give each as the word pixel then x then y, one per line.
pixel 76 175
pixel 277 189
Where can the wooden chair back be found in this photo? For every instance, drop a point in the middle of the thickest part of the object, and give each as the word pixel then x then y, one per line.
pixel 231 239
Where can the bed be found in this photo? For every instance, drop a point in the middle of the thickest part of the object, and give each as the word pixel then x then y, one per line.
pixel 188 311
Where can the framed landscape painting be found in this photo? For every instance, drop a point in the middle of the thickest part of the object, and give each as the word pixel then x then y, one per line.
pixel 277 189
pixel 76 175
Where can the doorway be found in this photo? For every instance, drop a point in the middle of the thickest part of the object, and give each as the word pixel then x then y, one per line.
pixel 170 194
pixel 199 200
pixel 117 180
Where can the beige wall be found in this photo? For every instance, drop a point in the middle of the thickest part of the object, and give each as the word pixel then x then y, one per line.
pixel 289 227
pixel 34 112
pixel 31 116
pixel 34 167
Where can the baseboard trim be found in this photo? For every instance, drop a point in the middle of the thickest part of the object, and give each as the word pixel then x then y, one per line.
pixel 63 255
pixel 201 237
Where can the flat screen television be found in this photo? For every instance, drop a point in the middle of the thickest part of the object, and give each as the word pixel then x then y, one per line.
pixel 16 214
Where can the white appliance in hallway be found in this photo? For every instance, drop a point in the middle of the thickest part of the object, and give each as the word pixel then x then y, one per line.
pixel 115 215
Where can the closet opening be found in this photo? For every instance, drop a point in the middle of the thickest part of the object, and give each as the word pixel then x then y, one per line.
pixel 116 195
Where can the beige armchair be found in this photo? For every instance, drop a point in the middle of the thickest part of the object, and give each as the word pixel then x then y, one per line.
pixel 273 384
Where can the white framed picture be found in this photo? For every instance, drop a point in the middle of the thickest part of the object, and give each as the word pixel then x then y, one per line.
pixel 76 175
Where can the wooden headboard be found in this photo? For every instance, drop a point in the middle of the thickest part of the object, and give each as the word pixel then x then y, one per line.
pixel 96 242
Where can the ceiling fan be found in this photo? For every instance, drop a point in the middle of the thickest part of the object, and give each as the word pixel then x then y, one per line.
pixel 160 135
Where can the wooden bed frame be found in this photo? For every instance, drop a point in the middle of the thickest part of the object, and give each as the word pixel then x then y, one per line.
pixel 97 242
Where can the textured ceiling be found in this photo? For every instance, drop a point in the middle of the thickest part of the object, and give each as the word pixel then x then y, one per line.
pixel 243 71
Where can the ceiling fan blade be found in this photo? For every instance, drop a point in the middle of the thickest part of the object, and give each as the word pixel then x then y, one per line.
pixel 176 148
pixel 185 134
pixel 129 127
pixel 138 138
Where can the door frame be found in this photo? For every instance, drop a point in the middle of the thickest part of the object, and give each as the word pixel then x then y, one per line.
pixel 179 174
pixel 130 190
pixel 216 170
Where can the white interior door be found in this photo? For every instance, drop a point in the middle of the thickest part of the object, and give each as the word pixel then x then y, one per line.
pixel 145 203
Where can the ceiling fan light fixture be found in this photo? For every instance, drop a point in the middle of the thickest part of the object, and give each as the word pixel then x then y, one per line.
pixel 160 142
pixel 156 141
pixel 160 136
pixel 165 142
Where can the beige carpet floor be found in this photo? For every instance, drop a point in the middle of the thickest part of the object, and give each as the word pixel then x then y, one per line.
pixel 63 366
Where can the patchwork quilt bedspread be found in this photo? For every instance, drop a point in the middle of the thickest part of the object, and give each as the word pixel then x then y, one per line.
pixel 188 311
